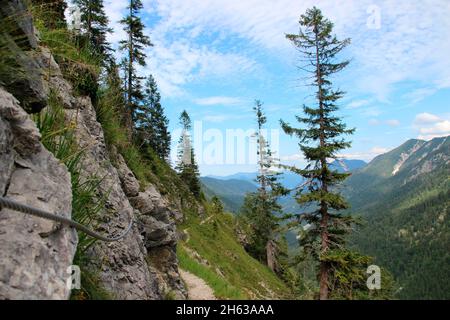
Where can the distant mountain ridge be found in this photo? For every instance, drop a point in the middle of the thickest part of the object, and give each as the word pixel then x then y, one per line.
pixel 231 189
pixel 232 192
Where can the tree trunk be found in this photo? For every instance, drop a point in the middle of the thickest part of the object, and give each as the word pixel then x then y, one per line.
pixel 271 252
pixel 323 291
pixel 130 79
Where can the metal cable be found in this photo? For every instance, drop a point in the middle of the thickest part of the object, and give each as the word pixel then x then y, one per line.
pixel 13 205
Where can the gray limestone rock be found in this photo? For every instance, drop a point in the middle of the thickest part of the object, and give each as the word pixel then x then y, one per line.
pixel 34 253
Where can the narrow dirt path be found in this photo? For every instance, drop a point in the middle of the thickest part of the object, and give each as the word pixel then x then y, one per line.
pixel 197 287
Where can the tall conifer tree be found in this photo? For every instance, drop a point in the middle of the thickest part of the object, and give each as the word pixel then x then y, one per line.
pixel 134 47
pixel 151 117
pixel 261 209
pixel 320 140
pixel 187 167
pixel 95 24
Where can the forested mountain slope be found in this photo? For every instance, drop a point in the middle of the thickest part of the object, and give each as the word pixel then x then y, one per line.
pixel 231 192
pixel 404 196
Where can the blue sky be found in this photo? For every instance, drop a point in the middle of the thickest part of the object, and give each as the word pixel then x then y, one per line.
pixel 215 57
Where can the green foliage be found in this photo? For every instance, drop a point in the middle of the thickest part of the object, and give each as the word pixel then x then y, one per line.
pixel 348 276
pixel 261 209
pixel 216 205
pixel 147 166
pixel 134 47
pixel 58 137
pixel 51 8
pixel 150 122
pixel 10 49
pixel 213 238
pixel 232 192
pixel 95 26
pixel 75 56
pixel 407 228
pixel 408 232
pixel 321 140
pixel 91 288
pixel 187 167
pixel 109 110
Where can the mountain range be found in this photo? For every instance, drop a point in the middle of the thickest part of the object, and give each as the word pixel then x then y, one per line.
pixel 231 189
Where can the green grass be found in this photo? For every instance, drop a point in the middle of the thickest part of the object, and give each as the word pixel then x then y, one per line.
pixel 77 60
pixel 215 241
pixel 222 289
pixel 58 138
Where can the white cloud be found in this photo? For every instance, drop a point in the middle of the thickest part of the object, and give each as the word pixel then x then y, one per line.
pixel 357 104
pixel 411 44
pixel 371 112
pixel 215 118
pixel 379 150
pixel 392 123
pixel 218 118
pixel 420 94
pixel 218 100
pixel 115 11
pixel 431 126
pixel 365 155
pixel 177 64
pixel 426 118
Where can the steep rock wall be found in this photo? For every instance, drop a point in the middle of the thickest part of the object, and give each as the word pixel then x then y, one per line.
pixel 35 253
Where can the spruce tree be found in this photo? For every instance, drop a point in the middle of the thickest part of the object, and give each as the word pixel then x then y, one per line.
pixel 95 24
pixel 187 167
pixel 320 140
pixel 261 209
pixel 134 47
pixel 150 115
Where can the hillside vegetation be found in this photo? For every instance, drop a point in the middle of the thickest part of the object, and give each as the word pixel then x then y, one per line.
pixel 405 197
pixel 212 252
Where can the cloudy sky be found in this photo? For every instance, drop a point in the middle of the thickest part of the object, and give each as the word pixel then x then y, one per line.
pixel 215 57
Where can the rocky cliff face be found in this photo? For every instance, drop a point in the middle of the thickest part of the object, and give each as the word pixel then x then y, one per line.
pixel 34 253
pixel 143 265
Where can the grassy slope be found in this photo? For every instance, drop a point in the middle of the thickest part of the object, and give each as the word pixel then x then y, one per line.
pixel 215 242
